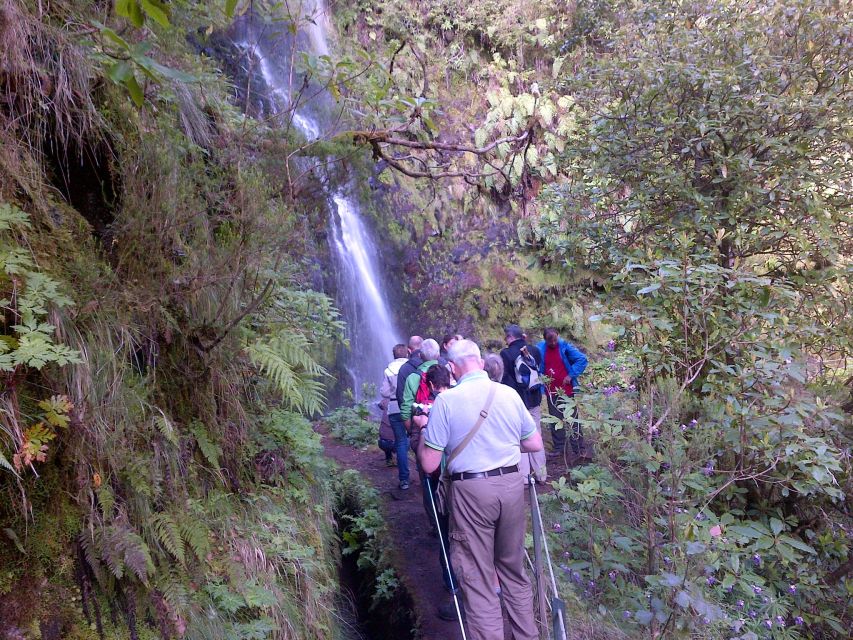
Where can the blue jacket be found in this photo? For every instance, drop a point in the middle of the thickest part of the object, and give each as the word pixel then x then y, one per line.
pixel 573 359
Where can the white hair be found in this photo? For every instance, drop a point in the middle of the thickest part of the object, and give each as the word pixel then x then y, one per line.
pixel 430 350
pixel 463 350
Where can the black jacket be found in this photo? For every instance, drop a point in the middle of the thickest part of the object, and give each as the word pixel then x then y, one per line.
pixel 408 368
pixel 531 398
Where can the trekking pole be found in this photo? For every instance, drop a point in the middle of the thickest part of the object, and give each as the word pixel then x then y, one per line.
pixel 558 607
pixel 538 571
pixel 446 560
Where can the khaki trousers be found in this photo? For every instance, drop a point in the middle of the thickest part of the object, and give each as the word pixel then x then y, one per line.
pixel 536 459
pixel 487 524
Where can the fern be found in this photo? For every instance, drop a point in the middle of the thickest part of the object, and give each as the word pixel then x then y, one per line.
pixel 196 536
pixel 11 217
pixel 166 429
pixel 169 535
pixel 210 450
pixel 286 360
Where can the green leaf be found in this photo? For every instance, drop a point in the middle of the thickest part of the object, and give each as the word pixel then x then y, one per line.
pixel 776 526
pixel 230 6
pixel 130 9
pixel 120 72
pixel 157 11
pixel 134 90
pixel 797 544
pixel 649 289
pixel 114 37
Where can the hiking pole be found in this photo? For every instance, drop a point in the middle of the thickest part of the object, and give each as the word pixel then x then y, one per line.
pixel 538 571
pixel 446 558
pixel 558 607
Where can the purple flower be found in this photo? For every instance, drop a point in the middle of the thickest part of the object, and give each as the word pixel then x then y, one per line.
pixel 740 604
pixel 591 584
pixel 632 387
pixel 756 560
pixel 693 422
pixel 557 526
pixel 627 614
pixel 799 621
pixel 683 428
pixel 756 589
pixel 711 581
pixel 768 624
pixel 613 575
pixel 753 614
pixel 706 620
pixel 792 589
pixel 611 345
pixel 613 366
pixel 780 621
pixel 667 560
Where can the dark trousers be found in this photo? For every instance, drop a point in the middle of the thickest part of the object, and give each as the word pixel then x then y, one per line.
pixel 572 427
pixel 401 444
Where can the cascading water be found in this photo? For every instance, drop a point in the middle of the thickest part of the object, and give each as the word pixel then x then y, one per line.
pixel 360 293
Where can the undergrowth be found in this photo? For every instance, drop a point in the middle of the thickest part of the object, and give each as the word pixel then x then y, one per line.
pixel 161 343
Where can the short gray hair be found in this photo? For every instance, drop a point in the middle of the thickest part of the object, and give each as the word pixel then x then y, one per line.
pixel 463 350
pixel 415 343
pixel 494 366
pixel 430 350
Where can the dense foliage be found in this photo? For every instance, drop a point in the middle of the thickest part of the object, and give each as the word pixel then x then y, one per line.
pixel 161 341
pixel 709 181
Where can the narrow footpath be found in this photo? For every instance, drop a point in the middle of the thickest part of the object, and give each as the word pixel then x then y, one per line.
pixel 415 552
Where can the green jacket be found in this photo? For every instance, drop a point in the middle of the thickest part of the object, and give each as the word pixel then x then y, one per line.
pixel 411 389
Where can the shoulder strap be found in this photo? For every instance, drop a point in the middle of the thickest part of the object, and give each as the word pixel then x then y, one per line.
pixel 470 435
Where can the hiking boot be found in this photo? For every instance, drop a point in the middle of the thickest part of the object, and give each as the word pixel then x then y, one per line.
pixel 447 611
pixel 404 486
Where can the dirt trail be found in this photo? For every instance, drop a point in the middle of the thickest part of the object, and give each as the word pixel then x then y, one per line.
pixel 415 552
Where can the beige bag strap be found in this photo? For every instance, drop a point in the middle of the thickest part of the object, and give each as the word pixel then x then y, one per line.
pixel 484 413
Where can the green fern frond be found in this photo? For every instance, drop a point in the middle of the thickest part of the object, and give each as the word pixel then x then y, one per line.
pixel 137 557
pixel 11 217
pixel 174 592
pixel 286 360
pixel 196 536
pixel 166 428
pixel 6 464
pixel 169 535
pixel 210 450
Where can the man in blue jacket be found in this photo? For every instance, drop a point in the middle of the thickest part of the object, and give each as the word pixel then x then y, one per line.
pixel 563 363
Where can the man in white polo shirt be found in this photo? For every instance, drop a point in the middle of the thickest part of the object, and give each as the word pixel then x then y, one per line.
pixel 487 510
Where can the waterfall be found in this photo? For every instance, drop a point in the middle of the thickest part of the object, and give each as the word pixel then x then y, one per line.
pixel 360 294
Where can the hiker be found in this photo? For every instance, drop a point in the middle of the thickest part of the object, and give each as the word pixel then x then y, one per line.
pixel 563 363
pixel 415 391
pixel 493 364
pixel 410 366
pixel 438 380
pixel 521 372
pixel 386 435
pixel 487 508
pixel 388 391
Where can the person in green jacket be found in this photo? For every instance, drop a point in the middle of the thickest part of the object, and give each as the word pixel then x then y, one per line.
pixel 429 352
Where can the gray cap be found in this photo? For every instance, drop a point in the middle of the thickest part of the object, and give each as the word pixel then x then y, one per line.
pixel 514 331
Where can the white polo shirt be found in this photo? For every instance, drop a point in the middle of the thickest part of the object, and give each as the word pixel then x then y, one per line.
pixel 497 443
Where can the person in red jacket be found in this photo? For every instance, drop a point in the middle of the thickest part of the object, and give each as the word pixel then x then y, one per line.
pixel 563 363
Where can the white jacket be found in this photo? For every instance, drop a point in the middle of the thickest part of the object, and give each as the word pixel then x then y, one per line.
pixel 388 388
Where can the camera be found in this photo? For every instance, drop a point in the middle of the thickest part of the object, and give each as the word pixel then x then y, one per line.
pixel 419 409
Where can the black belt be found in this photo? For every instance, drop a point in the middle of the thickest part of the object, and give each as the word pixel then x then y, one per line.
pixel 470 475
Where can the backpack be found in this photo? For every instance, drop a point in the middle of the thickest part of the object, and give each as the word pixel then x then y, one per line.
pixel 526 371
pixel 422 395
